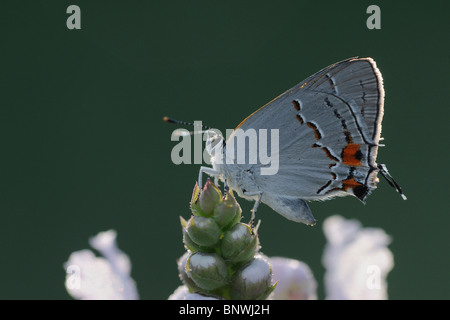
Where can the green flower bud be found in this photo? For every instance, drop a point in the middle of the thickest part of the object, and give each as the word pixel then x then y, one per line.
pixel 253 281
pixel 209 198
pixel 181 262
pixel 239 244
pixel 207 270
pixel 189 244
pixel 195 203
pixel 227 212
pixel 203 231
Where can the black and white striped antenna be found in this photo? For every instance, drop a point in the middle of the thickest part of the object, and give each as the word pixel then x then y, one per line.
pixel 185 123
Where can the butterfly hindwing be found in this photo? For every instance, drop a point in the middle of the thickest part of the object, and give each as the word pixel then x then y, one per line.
pixel 329 127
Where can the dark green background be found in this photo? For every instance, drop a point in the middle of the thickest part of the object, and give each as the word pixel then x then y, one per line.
pixel 83 147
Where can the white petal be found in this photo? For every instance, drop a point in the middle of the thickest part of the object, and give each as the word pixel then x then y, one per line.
pixel 182 293
pixel 198 296
pixel 105 243
pixel 179 294
pixel 295 280
pixel 97 278
pixel 356 259
pixel 104 240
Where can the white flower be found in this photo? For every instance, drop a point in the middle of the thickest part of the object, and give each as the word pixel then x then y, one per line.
pixel 179 294
pixel 295 280
pixel 97 278
pixel 356 259
pixel 182 293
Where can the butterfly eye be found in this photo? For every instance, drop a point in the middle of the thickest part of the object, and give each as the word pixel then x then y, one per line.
pixel 213 144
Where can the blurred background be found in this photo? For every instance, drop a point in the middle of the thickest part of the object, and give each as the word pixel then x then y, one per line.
pixel 84 149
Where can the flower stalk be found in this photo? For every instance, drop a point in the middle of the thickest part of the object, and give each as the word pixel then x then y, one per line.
pixel 222 258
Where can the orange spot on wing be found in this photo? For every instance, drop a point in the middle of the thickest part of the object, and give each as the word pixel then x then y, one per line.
pixel 351 155
pixel 350 183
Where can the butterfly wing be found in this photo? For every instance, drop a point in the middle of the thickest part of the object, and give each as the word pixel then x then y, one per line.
pixel 329 128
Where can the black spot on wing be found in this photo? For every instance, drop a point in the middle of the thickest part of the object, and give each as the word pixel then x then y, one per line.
pixel 361 191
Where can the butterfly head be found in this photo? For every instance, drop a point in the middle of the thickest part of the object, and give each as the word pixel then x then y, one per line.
pixel 215 144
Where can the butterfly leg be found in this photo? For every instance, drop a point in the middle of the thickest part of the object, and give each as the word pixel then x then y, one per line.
pixel 209 171
pixel 255 206
pixel 226 189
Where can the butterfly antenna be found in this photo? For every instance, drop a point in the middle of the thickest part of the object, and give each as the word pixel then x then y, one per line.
pixel 385 173
pixel 184 123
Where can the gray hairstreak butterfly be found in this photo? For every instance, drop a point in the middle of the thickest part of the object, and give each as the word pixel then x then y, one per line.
pixel 328 129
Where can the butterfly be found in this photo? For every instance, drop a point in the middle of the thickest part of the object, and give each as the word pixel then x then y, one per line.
pixel 328 128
